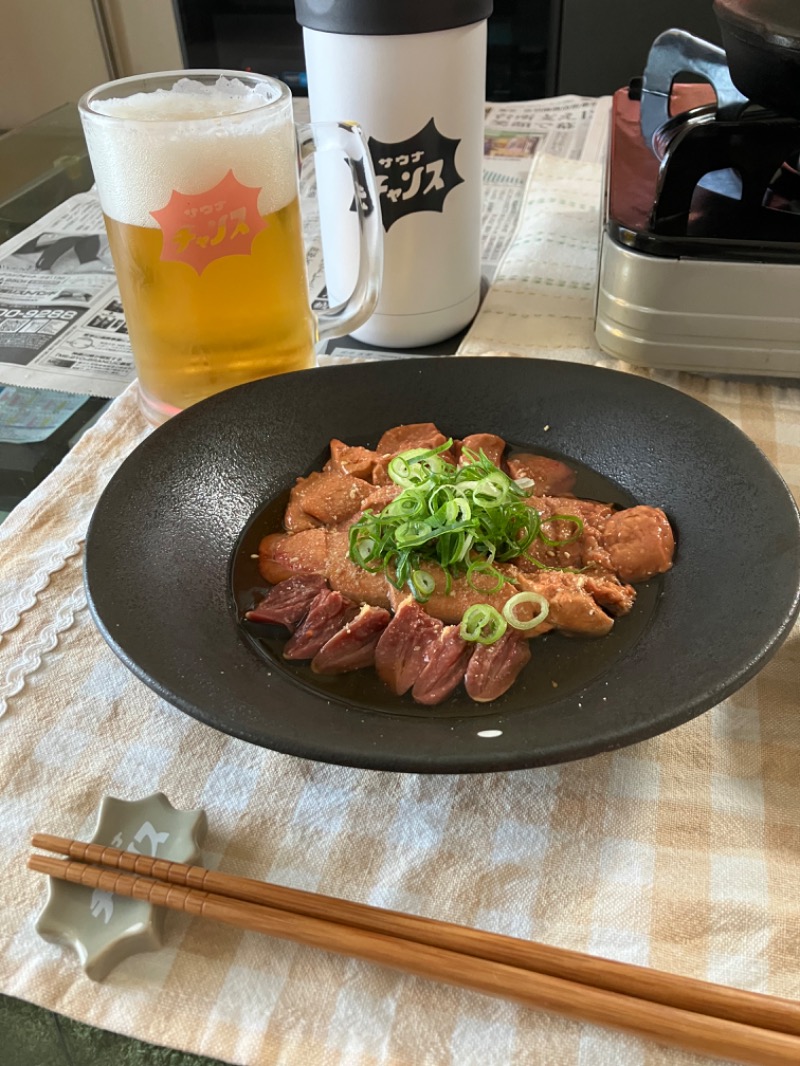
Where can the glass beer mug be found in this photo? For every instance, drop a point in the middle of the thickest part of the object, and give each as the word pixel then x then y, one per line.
pixel 197 176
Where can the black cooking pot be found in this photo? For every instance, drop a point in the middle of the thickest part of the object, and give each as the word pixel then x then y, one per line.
pixel 761 39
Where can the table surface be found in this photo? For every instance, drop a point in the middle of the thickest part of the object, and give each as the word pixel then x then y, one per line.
pixel 680 853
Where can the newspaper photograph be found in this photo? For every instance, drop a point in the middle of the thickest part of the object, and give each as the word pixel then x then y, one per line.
pixel 62 324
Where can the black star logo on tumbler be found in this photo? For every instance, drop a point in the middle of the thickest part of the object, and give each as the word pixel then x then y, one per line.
pixel 415 174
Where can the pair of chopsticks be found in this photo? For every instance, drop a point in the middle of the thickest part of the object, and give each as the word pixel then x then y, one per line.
pixel 683 1012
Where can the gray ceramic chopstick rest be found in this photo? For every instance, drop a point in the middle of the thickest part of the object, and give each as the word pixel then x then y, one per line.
pixel 102 928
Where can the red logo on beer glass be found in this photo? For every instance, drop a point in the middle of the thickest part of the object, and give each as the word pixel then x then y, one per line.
pixel 201 227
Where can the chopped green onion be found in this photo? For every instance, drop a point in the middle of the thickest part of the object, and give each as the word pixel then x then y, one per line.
pixel 566 540
pixel 482 624
pixel 406 505
pixel 482 566
pixel 511 605
pixel 413 533
pixel 399 470
pixel 422 585
pixel 415 466
pixel 560 569
pixel 364 549
pixel 462 520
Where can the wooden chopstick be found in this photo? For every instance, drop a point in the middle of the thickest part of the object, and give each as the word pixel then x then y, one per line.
pixel 685 993
pixel 690 1030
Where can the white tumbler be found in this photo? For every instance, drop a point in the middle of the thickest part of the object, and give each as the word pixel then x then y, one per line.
pixel 412 73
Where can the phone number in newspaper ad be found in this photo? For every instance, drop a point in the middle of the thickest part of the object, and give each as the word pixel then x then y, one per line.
pixel 25 331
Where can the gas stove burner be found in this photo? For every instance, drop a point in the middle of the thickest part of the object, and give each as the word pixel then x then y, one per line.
pixel 725 182
pixel 730 148
pixel 697 169
pixel 700 254
pixel 746 155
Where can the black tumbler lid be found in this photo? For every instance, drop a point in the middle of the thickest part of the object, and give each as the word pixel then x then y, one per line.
pixel 385 17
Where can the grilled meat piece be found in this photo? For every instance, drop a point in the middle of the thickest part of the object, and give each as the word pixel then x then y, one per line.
pixel 400 652
pixel 578 553
pixel 403 439
pixel 329 611
pixel 325 499
pixel 380 497
pixel 492 446
pixel 414 435
pixel 550 476
pixel 573 606
pixel 347 459
pixel 353 646
pixel 493 668
pixel 579 603
pixel 609 592
pixel 640 543
pixel 281 555
pixel 323 552
pixel 359 584
pixel 590 511
pixel 446 659
pixel 287 603
pixel 635 543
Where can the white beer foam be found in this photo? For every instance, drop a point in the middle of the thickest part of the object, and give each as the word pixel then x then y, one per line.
pixel 139 162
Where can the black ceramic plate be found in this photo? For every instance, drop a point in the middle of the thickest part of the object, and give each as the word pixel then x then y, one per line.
pixel 167 558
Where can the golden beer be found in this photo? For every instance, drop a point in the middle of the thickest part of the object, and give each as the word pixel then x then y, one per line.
pixel 197 176
pixel 243 317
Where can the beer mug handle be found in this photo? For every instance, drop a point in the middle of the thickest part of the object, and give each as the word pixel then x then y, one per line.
pixel 347 138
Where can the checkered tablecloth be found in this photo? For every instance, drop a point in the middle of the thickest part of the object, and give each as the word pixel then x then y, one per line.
pixel 681 853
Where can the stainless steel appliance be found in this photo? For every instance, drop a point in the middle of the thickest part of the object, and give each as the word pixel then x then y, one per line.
pixel 700 246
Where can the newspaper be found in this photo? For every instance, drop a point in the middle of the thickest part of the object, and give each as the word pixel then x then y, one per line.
pixel 62 325
pixel 574 127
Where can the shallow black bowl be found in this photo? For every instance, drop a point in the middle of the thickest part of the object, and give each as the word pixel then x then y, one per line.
pixel 171 534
